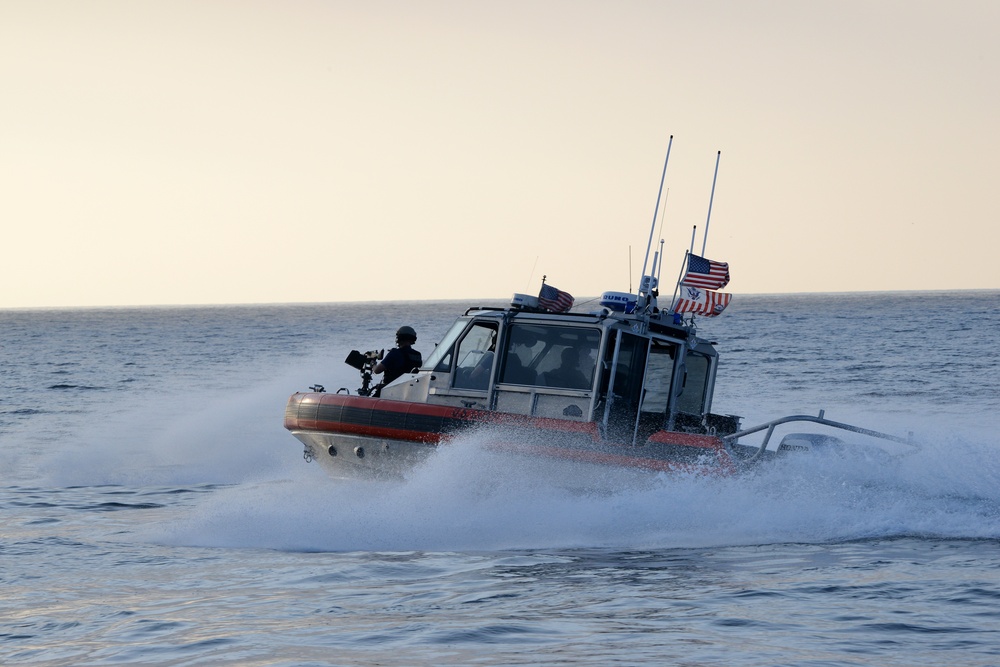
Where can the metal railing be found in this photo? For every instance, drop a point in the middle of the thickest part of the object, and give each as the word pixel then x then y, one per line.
pixel 821 419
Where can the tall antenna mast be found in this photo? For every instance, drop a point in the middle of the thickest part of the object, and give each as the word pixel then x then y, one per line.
pixel 640 301
pixel 704 241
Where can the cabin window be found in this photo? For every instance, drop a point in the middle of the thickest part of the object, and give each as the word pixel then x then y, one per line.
pixel 551 356
pixel 475 354
pixel 524 347
pixel 692 397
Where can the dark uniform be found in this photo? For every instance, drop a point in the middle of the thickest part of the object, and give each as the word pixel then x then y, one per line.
pixel 400 359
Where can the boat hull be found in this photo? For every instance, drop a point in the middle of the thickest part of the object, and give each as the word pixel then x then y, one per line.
pixel 353 436
pixel 356 456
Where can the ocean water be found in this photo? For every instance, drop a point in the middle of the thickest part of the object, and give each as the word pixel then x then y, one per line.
pixel 153 511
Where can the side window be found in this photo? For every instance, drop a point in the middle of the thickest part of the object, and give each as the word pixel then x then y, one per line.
pixel 569 358
pixel 550 356
pixel 475 355
pixel 525 344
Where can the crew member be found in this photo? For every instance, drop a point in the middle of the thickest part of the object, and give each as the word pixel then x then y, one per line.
pixel 400 359
pixel 568 375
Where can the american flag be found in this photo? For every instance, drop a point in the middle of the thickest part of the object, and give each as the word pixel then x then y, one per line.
pixel 706 273
pixel 701 302
pixel 555 300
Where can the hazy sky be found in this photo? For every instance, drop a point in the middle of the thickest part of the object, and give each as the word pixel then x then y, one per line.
pixel 175 152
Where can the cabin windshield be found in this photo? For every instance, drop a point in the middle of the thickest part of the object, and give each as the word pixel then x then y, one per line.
pixel 440 358
pixel 551 356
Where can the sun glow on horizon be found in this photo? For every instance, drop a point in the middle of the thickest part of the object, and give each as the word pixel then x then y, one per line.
pixel 189 153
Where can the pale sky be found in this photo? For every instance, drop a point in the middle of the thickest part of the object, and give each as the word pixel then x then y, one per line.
pixel 209 152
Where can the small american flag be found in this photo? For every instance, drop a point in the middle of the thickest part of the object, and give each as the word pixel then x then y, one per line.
pixel 706 273
pixel 555 300
pixel 701 302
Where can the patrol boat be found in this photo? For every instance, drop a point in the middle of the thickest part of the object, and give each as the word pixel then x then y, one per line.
pixel 624 386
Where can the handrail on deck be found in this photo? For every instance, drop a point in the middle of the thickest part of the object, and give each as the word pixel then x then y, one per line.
pixel 821 419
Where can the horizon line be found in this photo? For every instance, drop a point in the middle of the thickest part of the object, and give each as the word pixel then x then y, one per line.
pixel 238 304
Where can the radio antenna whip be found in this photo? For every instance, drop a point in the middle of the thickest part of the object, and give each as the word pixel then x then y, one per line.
pixel 704 241
pixel 640 301
pixel 657 267
pixel 531 275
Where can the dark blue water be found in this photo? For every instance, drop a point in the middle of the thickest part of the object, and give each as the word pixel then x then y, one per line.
pixel 154 511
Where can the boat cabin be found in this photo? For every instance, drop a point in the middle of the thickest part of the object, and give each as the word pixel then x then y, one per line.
pixel 632 375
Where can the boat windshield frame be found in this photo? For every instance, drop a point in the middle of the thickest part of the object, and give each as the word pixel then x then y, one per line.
pixel 444 348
